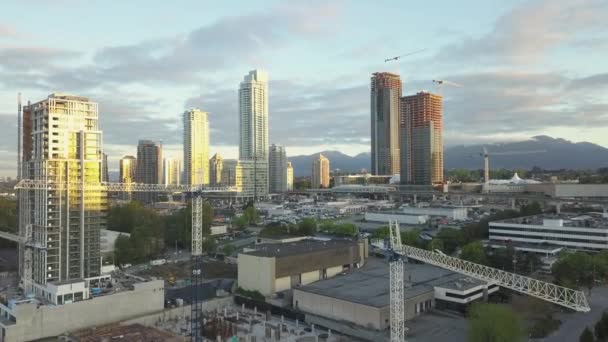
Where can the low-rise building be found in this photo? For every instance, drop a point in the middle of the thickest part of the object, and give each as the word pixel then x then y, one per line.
pixel 573 231
pixel 395 215
pixel 454 213
pixel 69 307
pixel 362 296
pixel 272 268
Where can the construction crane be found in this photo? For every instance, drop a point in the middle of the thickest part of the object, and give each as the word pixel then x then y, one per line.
pixel 30 240
pixel 397 288
pixel 446 82
pixel 404 55
pixel 569 298
pixel 486 162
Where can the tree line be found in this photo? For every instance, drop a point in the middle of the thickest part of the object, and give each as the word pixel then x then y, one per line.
pixel 150 232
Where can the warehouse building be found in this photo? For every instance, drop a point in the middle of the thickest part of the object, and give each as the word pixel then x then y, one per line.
pixel 454 213
pixel 395 215
pixel 362 297
pixel 272 268
pixel 587 232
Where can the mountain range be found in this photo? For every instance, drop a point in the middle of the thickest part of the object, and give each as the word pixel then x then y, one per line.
pixel 542 151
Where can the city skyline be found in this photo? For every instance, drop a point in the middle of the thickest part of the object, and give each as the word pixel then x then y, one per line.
pixel 517 82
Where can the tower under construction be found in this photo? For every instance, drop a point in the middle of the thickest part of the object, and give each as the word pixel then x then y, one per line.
pixel 62 144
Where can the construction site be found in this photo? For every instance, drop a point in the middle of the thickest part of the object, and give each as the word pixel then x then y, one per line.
pixel 306 287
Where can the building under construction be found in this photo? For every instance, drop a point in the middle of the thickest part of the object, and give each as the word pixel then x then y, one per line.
pixel 62 144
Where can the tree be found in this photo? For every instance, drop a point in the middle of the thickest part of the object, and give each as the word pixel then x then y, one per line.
pixel 123 250
pixel 307 226
pixel 436 244
pixel 474 252
pixel 451 238
pixel 411 238
pixel 228 249
pixel 574 270
pixel 494 323
pixel 240 222
pixel 251 214
pixel 209 245
pixel 601 328
pixel 586 336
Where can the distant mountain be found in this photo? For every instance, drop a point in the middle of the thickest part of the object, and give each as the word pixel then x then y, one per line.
pixel 302 165
pixel 558 154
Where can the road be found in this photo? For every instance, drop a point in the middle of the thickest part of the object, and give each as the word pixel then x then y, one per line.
pixel 573 324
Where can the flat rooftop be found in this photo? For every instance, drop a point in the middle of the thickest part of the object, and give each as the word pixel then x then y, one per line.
pixel 369 285
pixel 298 247
pixel 579 220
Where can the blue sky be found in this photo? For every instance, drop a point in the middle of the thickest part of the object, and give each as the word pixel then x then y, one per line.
pixel 528 67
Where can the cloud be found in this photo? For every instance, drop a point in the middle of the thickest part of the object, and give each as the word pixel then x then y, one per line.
pixel 225 43
pixel 299 113
pixel 528 32
pixel 590 82
pixel 7 31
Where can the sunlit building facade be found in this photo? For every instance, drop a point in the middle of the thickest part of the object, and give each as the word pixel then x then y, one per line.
pixel 320 173
pixel 66 149
pixel 386 91
pixel 421 127
pixel 196 147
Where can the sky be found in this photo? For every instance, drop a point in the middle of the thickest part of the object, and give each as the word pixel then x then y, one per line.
pixel 527 67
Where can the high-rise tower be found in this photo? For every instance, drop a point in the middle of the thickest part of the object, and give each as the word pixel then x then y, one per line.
pixel 63 144
pixel 385 94
pixel 253 119
pixel 421 126
pixel 216 166
pixel 253 131
pixel 128 166
pixel 277 167
pixel 320 173
pixel 196 147
pixel 172 170
pixel 149 163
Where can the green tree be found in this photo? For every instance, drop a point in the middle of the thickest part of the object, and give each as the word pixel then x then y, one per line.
pixel 251 214
pixel 207 216
pixel 228 249
pixel 411 238
pixel 380 233
pixel 8 219
pixel 240 222
pixel 586 336
pixel 307 226
pixel 123 250
pixel 601 328
pixel 436 244
pixel 474 252
pixel 452 239
pixel 574 270
pixel 494 323
pixel 209 245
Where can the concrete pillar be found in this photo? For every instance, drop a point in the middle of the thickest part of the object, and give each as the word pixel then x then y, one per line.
pixel 243 307
pixel 434 198
pixel 297 324
pixel 312 328
pixel 558 208
pixel 328 332
pixel 485 293
pixel 513 203
pixel 415 199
